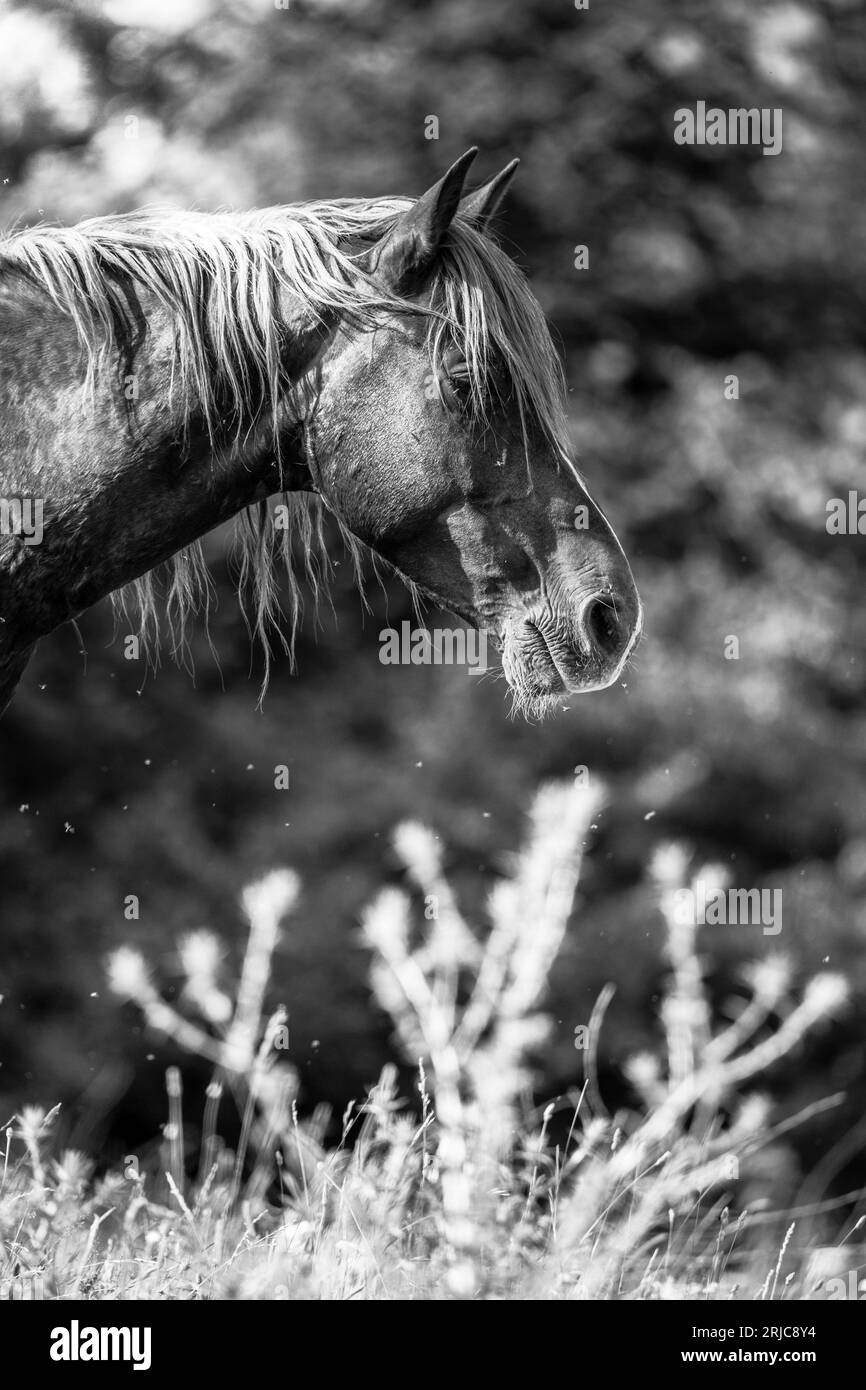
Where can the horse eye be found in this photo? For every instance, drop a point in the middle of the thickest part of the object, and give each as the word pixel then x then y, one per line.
pixel 454 379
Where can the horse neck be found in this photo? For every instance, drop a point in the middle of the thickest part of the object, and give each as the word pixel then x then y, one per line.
pixel 125 477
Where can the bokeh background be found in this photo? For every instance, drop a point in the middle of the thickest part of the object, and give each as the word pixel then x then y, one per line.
pixel 703 262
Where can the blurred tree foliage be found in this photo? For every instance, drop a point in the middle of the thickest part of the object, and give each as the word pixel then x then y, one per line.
pixel 704 262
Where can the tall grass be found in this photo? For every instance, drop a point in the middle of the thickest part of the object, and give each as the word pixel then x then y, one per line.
pixel 466 1191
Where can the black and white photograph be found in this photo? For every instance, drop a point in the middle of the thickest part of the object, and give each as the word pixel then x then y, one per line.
pixel 432 667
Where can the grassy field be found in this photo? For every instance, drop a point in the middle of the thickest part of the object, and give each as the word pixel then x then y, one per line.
pixel 466 1191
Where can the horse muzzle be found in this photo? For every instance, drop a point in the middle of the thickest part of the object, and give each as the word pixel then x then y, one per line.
pixel 549 654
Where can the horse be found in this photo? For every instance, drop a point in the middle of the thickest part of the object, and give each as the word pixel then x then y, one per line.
pixel 383 358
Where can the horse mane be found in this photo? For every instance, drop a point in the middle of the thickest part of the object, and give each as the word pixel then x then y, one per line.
pixel 222 277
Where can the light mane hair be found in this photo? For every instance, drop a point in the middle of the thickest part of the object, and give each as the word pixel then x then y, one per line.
pixel 225 278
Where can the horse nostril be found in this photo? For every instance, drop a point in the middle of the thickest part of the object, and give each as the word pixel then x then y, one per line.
pixel 602 627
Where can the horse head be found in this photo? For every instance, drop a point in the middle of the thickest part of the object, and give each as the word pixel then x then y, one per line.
pixel 438 438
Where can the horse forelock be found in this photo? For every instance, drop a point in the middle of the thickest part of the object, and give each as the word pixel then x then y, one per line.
pixel 222 277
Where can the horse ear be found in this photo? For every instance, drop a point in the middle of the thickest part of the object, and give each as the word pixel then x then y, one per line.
pixel 405 256
pixel 479 206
